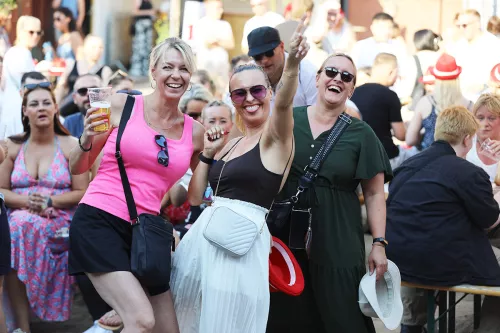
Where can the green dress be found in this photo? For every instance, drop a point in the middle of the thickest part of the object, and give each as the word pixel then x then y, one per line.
pixel 336 265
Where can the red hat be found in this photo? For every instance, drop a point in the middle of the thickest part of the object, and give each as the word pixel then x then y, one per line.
pixel 495 74
pixel 446 68
pixel 285 274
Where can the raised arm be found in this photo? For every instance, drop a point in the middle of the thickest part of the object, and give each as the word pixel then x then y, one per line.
pixel 281 122
pixel 92 142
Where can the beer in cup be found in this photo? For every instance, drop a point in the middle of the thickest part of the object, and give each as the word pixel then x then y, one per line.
pixel 100 98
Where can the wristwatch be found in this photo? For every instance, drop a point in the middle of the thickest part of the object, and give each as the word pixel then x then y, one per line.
pixel 49 202
pixel 205 159
pixel 381 240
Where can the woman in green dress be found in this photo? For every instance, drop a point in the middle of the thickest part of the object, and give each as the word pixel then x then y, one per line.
pixel 336 262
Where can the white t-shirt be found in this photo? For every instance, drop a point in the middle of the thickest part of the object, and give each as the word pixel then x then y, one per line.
pixel 473 157
pixel 17 61
pixel 215 60
pixel 476 59
pixel 269 19
pixel 365 51
pixel 306 90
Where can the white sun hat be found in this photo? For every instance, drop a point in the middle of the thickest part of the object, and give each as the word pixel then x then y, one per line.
pixel 382 299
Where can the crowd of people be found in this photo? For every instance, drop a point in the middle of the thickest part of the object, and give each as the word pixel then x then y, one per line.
pixel 219 144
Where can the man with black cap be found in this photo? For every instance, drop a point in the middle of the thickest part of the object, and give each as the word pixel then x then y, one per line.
pixel 268 51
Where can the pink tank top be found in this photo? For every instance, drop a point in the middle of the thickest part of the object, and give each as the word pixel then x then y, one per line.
pixel 149 180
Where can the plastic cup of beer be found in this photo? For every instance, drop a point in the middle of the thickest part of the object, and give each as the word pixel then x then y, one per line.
pixel 100 98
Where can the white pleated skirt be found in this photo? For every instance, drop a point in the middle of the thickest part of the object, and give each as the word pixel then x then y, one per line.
pixel 215 292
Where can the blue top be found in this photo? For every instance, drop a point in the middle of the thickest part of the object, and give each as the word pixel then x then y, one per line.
pixel 74 124
pixel 71 5
pixel 438 208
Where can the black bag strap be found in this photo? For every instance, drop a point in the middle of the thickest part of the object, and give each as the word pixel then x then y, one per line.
pixel 127 111
pixel 312 170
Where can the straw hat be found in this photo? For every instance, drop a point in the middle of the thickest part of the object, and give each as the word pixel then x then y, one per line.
pixel 446 68
pixel 285 274
pixel 382 299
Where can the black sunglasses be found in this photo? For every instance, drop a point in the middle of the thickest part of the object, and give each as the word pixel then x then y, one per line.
pixel 163 153
pixel 194 115
pixel 44 85
pixel 268 54
pixel 84 91
pixel 39 33
pixel 332 72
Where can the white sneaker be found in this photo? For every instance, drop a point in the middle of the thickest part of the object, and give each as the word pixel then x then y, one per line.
pixel 18 330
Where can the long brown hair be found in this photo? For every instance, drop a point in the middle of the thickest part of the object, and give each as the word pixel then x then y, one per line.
pixel 58 127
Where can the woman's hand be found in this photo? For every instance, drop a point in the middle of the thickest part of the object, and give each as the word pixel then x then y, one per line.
pixel 377 261
pixel 214 141
pixel 89 124
pixel 298 43
pixel 37 202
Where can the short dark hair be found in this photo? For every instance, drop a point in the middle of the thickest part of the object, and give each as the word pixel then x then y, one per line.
pixel 34 76
pixel 382 17
pixel 237 59
pixel 426 39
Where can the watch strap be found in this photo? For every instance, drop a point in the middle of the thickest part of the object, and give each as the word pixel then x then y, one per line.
pixel 381 240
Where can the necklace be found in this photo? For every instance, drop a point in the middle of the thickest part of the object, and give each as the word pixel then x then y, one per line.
pixel 158 128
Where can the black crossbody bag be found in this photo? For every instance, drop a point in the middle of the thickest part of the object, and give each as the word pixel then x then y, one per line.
pixel 284 213
pixel 152 236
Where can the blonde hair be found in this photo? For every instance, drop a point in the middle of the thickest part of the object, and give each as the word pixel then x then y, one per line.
pixel 342 55
pixel 489 101
pixel 159 51
pixel 446 93
pixel 22 22
pixel 454 124
pixel 385 59
pixel 215 103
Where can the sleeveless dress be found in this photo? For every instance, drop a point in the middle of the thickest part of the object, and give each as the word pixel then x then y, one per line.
pixel 213 291
pixel 39 255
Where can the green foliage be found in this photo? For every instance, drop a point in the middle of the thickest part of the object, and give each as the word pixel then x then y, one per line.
pixel 7 5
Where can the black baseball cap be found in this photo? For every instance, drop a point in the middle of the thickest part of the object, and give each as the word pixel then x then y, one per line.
pixel 262 39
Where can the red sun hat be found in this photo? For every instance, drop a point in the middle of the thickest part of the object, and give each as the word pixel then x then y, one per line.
pixel 285 274
pixel 446 68
pixel 495 74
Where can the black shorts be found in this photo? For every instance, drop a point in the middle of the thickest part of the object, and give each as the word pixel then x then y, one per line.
pixel 100 242
pixel 4 241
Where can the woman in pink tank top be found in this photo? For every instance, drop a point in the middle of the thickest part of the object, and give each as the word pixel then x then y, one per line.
pixel 158 146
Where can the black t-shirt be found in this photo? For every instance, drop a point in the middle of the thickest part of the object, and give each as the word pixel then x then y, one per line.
pixel 379 107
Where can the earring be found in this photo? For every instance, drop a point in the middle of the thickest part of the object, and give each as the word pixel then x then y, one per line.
pixel 152 84
pixel 189 87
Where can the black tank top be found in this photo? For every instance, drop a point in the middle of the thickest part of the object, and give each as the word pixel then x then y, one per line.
pixel 245 178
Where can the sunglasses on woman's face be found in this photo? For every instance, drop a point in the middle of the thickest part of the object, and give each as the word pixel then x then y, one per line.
pixel 163 153
pixel 332 72
pixel 39 33
pixel 238 96
pixel 268 54
pixel 31 86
